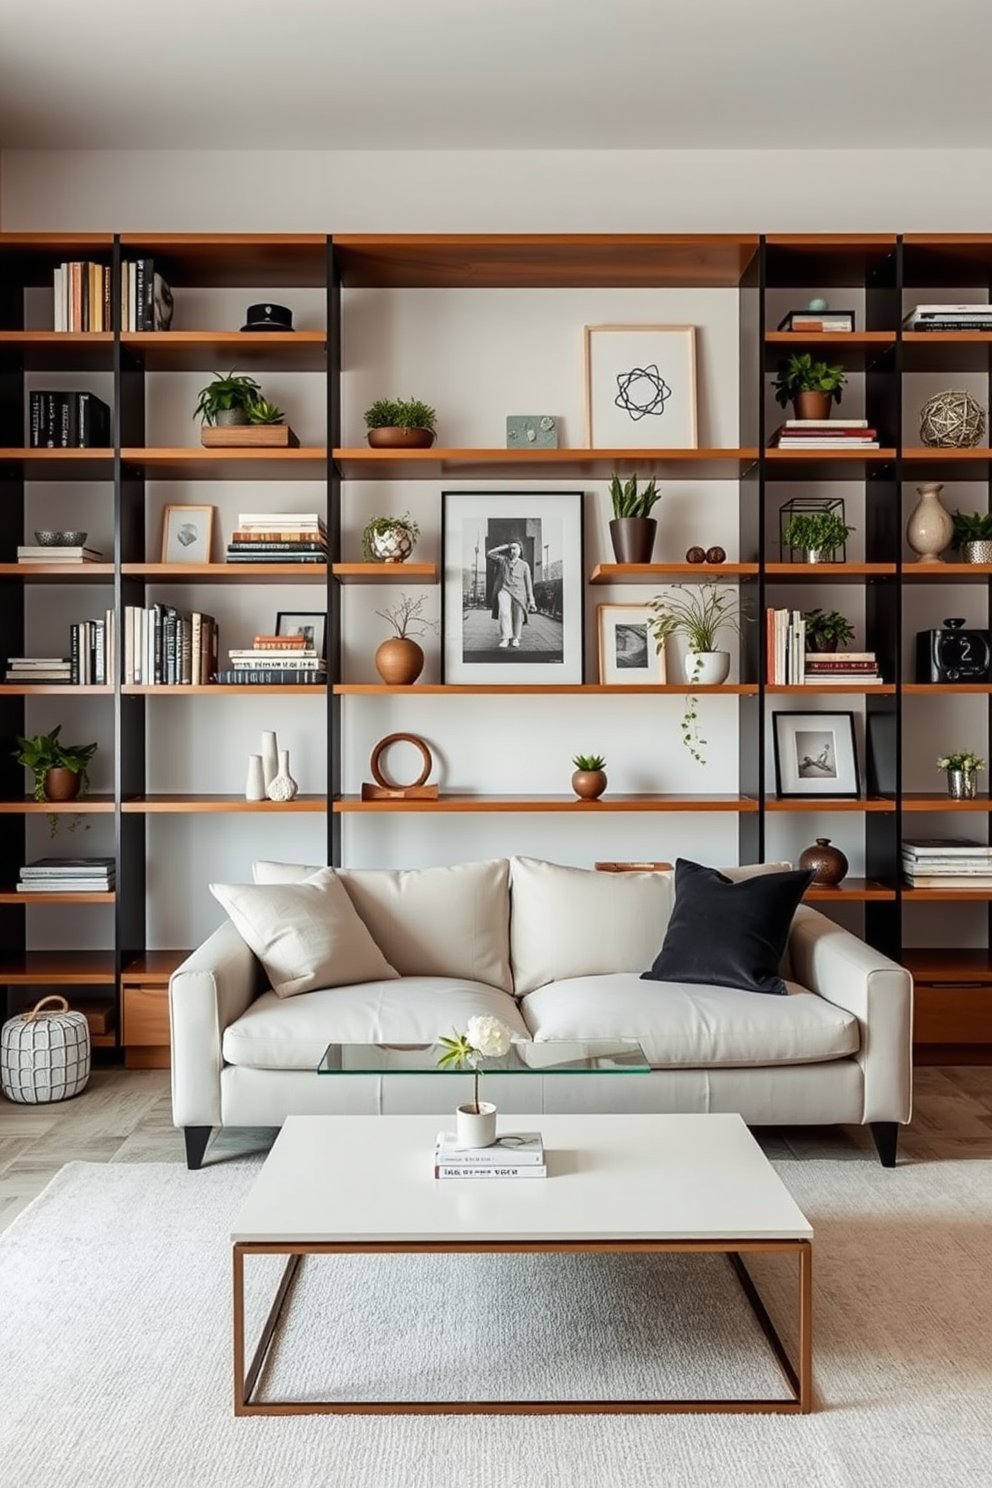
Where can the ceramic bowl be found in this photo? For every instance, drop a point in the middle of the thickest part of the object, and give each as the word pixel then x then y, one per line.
pixel 48 539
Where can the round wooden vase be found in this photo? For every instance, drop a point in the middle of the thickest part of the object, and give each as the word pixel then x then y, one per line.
pixel 589 784
pixel 61 784
pixel 395 438
pixel 812 405
pixel 399 661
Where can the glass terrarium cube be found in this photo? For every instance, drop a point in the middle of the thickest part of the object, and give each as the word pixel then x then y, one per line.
pixel 811 506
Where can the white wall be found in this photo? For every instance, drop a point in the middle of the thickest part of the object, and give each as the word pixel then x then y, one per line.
pixel 476 355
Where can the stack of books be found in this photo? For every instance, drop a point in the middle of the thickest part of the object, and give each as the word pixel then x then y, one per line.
pixel 824 434
pixel 949 318
pixel 28 669
pixel 512 1155
pixel 68 421
pixel 278 537
pixel 163 647
pixel 68 876
pixel 275 659
pixel 146 299
pixel 860 667
pixel 93 650
pixel 57 553
pixel 818 321
pixel 785 647
pixel 82 297
pixel 946 863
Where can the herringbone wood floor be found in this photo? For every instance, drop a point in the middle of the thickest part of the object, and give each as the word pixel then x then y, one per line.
pixel 126 1116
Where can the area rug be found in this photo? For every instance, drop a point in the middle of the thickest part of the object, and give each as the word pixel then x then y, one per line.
pixel 115 1351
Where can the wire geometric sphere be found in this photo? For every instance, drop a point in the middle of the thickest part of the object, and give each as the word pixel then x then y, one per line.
pixel 952 420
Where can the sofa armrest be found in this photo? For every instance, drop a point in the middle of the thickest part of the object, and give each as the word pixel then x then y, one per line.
pixel 208 991
pixel 832 962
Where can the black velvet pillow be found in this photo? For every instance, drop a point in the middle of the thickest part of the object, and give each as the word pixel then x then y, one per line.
pixel 728 934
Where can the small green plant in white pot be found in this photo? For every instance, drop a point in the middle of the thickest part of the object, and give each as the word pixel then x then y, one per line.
pixel 698 613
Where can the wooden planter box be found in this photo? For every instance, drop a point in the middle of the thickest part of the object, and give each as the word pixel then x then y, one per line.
pixel 249 436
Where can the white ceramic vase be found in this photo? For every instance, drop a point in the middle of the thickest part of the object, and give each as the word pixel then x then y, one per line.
pixel 282 786
pixel 255 783
pixel 930 526
pixel 270 757
pixel 475 1128
pixel 707 668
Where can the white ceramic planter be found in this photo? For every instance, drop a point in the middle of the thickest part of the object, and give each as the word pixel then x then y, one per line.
pixel 707 668
pixel 476 1128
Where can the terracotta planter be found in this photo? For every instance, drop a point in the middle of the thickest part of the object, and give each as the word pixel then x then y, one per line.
pixel 61 784
pixel 399 661
pixel 812 405
pixel 589 784
pixel 633 538
pixel 394 438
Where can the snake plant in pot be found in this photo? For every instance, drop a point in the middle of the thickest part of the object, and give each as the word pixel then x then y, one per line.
pixel 633 529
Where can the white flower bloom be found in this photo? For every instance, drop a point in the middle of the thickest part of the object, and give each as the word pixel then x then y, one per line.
pixel 488 1035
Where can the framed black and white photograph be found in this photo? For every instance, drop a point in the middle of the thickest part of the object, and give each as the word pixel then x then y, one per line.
pixel 311 624
pixel 641 386
pixel 628 653
pixel 815 754
pixel 513 585
pixel 187 534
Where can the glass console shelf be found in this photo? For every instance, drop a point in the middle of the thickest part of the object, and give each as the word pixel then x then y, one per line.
pixel 604 1057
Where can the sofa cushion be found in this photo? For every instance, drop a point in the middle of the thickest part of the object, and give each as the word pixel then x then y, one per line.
pixel 679 1024
pixel 448 922
pixel 729 934
pixel 293 1035
pixel 306 935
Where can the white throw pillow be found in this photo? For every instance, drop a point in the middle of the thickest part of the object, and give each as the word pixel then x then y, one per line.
pixel 446 922
pixel 306 935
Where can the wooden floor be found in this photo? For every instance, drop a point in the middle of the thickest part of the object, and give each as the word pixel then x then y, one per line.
pixel 126 1116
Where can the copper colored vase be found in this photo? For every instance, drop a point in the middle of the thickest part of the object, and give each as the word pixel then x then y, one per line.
pixel 399 661
pixel 61 784
pixel 828 863
pixel 589 784
pixel 812 405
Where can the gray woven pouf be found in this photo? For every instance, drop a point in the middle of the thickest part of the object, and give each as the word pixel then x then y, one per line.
pixel 44 1055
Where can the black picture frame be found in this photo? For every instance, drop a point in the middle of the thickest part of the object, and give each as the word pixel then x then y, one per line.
pixel 293 622
pixel 816 755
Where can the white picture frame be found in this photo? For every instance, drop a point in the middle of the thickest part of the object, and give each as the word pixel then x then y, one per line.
pixel 544 645
pixel 187 534
pixel 628 654
pixel 815 755
pixel 640 386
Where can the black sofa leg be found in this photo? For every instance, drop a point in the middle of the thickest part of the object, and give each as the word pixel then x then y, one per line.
pixel 197 1138
pixel 886 1134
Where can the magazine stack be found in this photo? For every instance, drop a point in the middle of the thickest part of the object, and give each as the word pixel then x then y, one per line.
pixel 512 1155
pixel 946 863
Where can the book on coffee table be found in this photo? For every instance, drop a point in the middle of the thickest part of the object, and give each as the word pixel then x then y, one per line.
pixel 516 1149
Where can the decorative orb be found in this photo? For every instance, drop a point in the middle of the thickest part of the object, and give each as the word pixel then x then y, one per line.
pixel 952 420
pixel 818 303
pixel 695 555
pixel 715 555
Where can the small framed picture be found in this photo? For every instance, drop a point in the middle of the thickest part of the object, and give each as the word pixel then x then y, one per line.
pixel 311 624
pixel 641 386
pixel 628 654
pixel 187 534
pixel 815 754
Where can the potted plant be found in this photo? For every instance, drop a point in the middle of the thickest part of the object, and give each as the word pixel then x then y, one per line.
pixel 228 400
pixel 962 769
pixel 400 660
pixel 589 776
pixel 61 771
pixel 828 631
pixel 264 412
pixel 973 536
pixel 484 1038
pixel 400 423
pixel 809 386
pixel 632 530
pixel 389 539
pixel 817 535
pixel 698 614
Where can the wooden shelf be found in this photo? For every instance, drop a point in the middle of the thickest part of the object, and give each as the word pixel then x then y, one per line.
pixel 682 573
pixel 858 349
pixel 827 689
pixel 927 801
pixel 37 689
pixel 225 464
pixel 854 890
pixel 385 573
pixel 920 463
pixel 454 802
pixel 59 968
pixel 935 964
pixel 186 804
pixel 57 573
pixel 28 806
pixel 833 465
pixel 552 464
pixel 94 896
pixel 947 896
pixel 945 573
pixel 60 464
pixel 845 260
pixel 829 573
pixel 544 260
pixel 60 351
pixel 831 803
pixel 947 351
pixel 153 966
pixel 227 689
pixel 235 260
pixel 259 351
pixel 580 689
pixel 227 573
pixel 926 689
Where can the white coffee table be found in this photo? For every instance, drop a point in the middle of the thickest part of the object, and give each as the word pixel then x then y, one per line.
pixel 334 1185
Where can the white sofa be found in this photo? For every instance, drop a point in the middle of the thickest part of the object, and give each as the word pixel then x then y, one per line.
pixel 556 953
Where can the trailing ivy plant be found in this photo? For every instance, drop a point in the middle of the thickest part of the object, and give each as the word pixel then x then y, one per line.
pixel 697 612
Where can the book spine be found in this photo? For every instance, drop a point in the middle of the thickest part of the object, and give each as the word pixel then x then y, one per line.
pixel 536 1170
pixel 35 420
pixel 74 653
pixel 250 545
pixel 486 1157
pixel 139 294
pixel 265 678
pixel 271 558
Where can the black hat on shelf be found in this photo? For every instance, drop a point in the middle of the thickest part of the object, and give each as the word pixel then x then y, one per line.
pixel 268 318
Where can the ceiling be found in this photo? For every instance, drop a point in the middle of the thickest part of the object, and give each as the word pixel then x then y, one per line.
pixel 494 74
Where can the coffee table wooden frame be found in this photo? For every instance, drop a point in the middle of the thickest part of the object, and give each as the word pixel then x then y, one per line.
pixel 799 1377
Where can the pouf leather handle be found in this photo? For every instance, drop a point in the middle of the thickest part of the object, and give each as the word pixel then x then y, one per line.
pixel 63 1007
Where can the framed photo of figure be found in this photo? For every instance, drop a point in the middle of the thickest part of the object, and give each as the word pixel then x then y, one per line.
pixel 640 386
pixel 310 625
pixel 512 588
pixel 628 655
pixel 815 754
